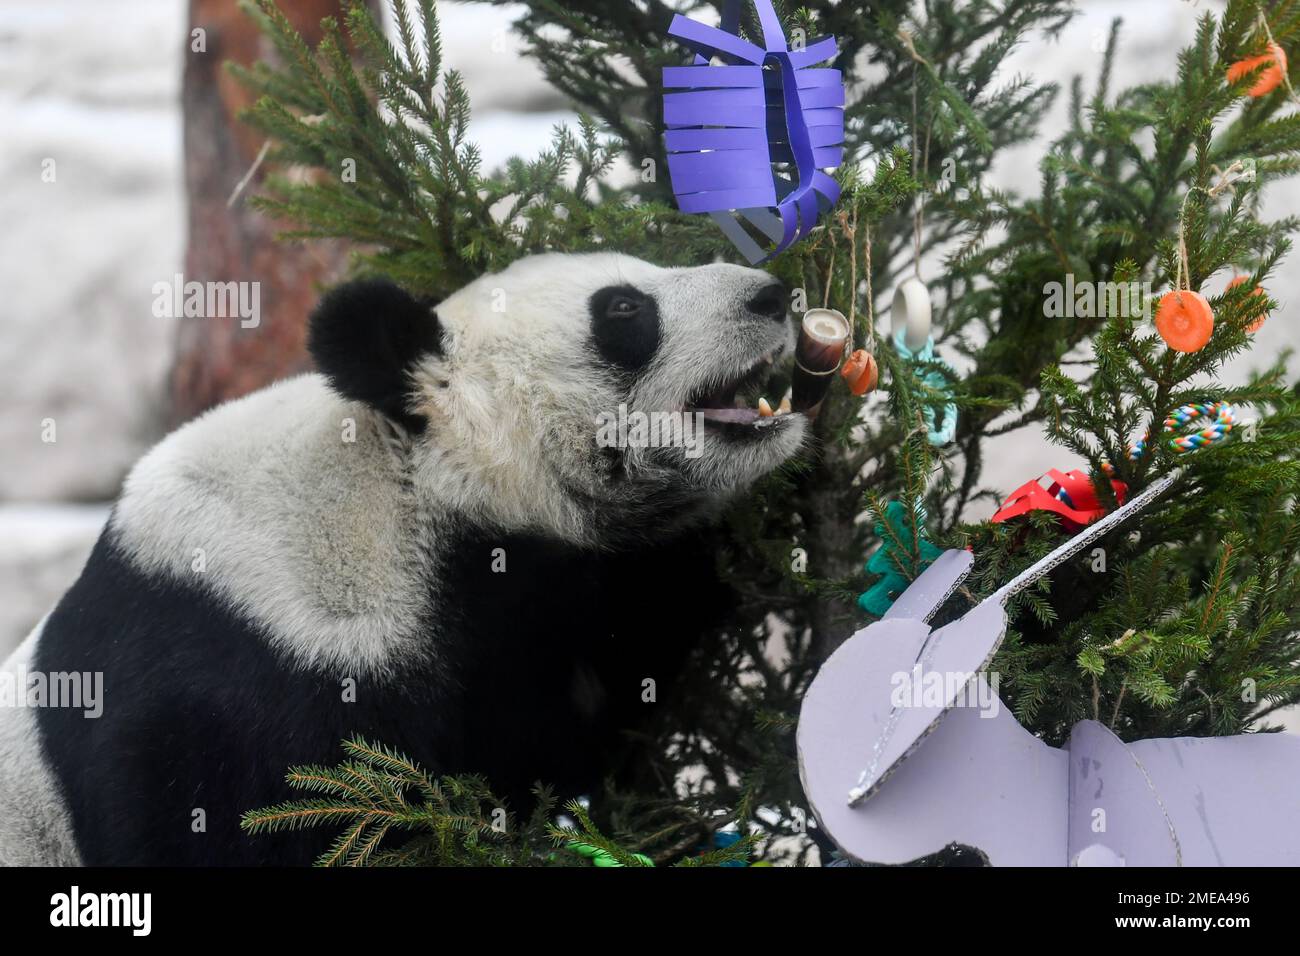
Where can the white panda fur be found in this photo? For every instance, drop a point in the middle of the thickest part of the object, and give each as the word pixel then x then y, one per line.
pixel 34 826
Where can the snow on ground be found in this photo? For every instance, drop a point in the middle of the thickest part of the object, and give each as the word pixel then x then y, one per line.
pixel 94 85
pixel 42 550
pixel 90 88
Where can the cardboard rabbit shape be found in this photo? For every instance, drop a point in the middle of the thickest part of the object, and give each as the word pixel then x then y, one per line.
pixel 905 748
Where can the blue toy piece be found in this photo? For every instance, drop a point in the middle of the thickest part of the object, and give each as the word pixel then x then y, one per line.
pixel 725 838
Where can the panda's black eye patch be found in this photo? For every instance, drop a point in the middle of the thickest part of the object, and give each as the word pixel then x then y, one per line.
pixel 625 326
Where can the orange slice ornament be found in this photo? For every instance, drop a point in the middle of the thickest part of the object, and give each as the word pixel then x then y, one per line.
pixel 1275 68
pixel 1259 291
pixel 861 372
pixel 1184 320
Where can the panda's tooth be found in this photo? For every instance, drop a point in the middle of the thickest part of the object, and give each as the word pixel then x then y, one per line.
pixel 764 409
pixel 784 407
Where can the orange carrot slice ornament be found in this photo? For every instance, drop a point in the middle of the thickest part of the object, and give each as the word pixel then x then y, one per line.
pixel 861 372
pixel 1184 320
pixel 1259 291
pixel 1273 75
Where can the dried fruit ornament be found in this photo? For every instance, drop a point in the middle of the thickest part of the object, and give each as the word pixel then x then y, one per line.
pixel 1273 75
pixel 1263 311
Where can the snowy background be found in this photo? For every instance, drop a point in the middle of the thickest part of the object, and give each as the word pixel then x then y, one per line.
pixel 95 85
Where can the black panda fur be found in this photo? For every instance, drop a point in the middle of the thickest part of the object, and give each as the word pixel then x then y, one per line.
pixel 545 678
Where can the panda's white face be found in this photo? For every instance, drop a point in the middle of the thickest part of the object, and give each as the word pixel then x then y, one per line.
pixel 540 361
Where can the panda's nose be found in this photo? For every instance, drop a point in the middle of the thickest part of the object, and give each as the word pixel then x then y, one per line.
pixel 769 302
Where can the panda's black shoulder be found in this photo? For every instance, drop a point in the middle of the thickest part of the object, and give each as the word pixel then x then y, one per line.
pixel 554 644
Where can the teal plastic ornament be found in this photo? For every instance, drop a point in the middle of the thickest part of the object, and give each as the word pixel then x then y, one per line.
pixel 887 562
pixel 939 432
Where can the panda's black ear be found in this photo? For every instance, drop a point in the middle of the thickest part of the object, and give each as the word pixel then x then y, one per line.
pixel 366 335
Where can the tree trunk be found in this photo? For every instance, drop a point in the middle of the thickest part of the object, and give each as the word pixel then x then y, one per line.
pixel 829 514
pixel 217 358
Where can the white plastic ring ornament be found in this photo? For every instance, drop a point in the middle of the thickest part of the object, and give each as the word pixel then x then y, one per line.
pixel 911 313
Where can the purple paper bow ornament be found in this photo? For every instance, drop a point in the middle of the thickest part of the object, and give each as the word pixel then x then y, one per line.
pixel 765 106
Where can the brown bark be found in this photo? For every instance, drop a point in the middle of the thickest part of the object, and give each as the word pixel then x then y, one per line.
pixel 829 516
pixel 216 359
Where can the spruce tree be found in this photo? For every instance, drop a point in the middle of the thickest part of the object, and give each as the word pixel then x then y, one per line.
pixel 1190 629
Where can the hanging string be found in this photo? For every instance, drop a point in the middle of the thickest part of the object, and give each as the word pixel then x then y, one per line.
pixel 921 197
pixel 918 215
pixel 871 296
pixel 830 273
pixel 1183 269
pixel 1286 80
pixel 916 177
pixel 851 232
pixel 868 339
pixel 933 378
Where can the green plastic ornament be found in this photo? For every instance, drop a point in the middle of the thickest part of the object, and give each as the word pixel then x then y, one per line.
pixel 601 857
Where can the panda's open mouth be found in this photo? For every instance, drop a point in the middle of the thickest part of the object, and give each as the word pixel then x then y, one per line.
pixel 735 404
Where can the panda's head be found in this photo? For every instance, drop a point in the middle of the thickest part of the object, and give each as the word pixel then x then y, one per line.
pixel 586 395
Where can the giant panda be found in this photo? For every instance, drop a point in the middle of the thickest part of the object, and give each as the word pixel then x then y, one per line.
pixel 422 543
